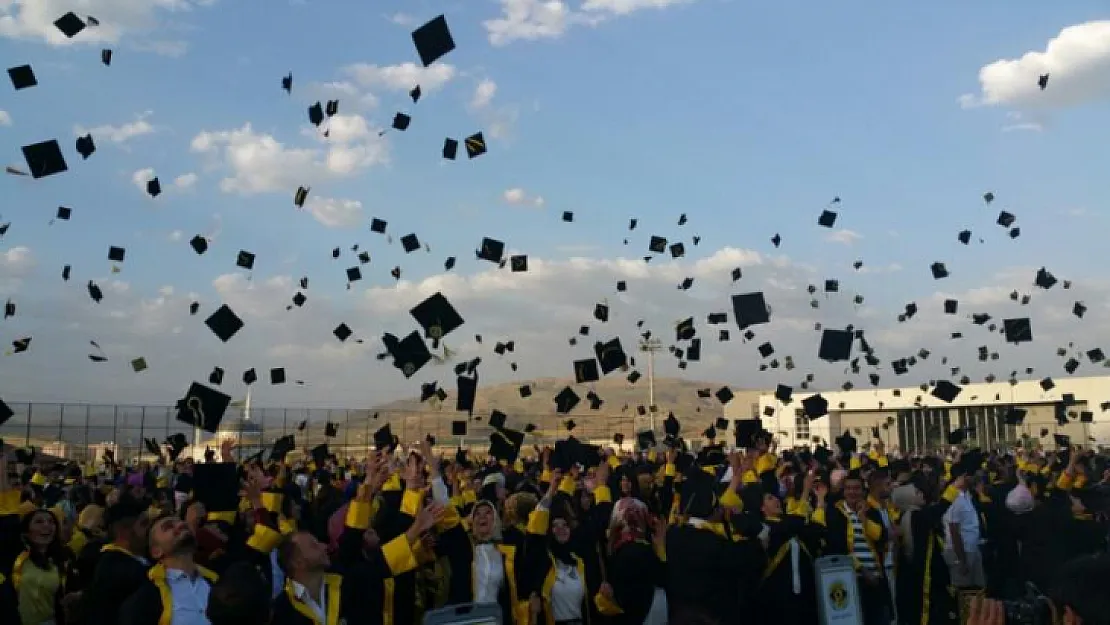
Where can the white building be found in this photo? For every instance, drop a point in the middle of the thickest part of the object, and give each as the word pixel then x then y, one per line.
pixel 913 420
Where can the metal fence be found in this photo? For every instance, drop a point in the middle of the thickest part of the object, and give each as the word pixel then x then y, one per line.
pixel 80 432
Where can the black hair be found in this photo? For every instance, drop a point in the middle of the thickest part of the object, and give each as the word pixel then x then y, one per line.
pixel 1080 585
pixel 240 597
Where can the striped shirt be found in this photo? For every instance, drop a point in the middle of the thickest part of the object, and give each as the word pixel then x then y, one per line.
pixel 861 549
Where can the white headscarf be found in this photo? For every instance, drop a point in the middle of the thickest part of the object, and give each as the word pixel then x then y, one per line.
pixel 1020 499
pixel 905 499
pixel 495 536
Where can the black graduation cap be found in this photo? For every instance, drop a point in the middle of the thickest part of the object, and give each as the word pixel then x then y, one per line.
pixel 491 250
pixel 22 77
pixel 250 376
pixel 475 145
pixel 85 146
pixel 202 407
pixel 409 355
pixel 331 108
pixel 282 447
pixel 320 455
pixel 300 196
pixel 518 263
pixel 586 371
pixel 277 375
pixel 106 56
pixel 1005 219
pixel 152 446
pixel 245 260
pixel 836 345
pixel 458 428
pixel 815 406
pixel 9 309
pixel 378 225
pixel 746 431
pixel 94 292
pixel 437 316
pixel 1042 81
pixel 750 309
pixel 724 395
pixel 342 332
pixel 946 391
pixel 414 93
pixel 525 391
pixel 44 159
pixel 566 400
pixel 401 121
pixel 216 485
pixel 827 219
pixel 354 274
pixel 505 444
pixel 450 148
pixel 1014 415
pixel 116 254
pixel 449 264
pixel 199 244
pixel 610 355
pixel 216 377
pixel 287 82
pixel 433 40
pixel 331 430
pixel 316 114
pixel 384 438
pixel 153 187
pixel 224 323
pixel 466 392
pixel 1017 330
pixel 69 24
pixel 410 243
pixel 177 444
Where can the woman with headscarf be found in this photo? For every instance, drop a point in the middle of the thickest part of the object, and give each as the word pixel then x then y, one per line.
pixel 633 593
pixel 485 569
pixel 562 595
pixel 923 596
pixel 32 561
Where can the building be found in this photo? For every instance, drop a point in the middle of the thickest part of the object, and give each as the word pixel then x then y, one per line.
pixel 914 421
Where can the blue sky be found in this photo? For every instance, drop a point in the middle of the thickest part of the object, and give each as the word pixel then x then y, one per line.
pixel 749 119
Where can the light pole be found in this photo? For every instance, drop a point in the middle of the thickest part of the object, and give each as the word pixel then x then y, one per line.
pixel 650 346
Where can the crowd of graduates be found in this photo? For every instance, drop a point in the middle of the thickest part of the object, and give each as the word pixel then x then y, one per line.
pixel 563 535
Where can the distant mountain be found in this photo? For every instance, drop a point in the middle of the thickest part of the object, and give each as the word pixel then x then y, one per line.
pixel 411 419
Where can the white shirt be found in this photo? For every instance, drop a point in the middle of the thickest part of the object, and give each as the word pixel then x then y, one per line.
pixel 567 593
pixel 278 575
pixel 489 568
pixel 962 512
pixel 190 598
pixel 319 609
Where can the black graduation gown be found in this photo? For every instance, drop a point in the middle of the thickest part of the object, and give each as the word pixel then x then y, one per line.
pixel 145 606
pixel 634 572
pixel 925 578
pixel 711 574
pixel 456 546
pixel 118 575
pixel 288 610
pixel 775 599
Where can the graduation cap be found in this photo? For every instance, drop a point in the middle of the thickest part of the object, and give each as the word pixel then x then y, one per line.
pixel 216 485
pixel 85 146
pixel 22 77
pixel 331 430
pixel 116 254
pixel 433 40
pixel 177 444
pixel 475 145
pixel 450 148
pixel 332 108
pixel 505 444
pixel 106 56
pixel 316 114
pixel 44 159
pixel 202 407
pixel 153 187
pixel 152 446
pixel 384 438
pixel 287 82
pixel 401 122
pixel 827 219
pixel 437 316
pixel 224 323
pixel 409 355
pixel 300 196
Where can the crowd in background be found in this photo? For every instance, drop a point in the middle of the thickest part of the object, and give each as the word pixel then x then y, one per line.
pixel 569 535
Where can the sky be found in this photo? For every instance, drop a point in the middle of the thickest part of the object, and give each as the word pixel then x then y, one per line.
pixel 748 119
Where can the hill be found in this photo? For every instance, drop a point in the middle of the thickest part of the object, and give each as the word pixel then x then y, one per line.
pixel 410 419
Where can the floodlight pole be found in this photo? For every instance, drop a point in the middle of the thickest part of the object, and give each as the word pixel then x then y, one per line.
pixel 650 346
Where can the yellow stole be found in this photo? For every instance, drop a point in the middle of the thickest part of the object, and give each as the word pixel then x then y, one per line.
pixel 17 569
pixel 549 584
pixel 157 575
pixel 332 586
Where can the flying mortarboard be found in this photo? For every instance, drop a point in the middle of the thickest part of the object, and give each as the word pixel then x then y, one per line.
pixel 433 40
pixel 85 146
pixel 69 24
pixel 44 159
pixel 153 187
pixel 106 56
pixel 475 145
pixel 224 323
pixel 22 77
pixel 450 148
pixel 216 485
pixel 202 407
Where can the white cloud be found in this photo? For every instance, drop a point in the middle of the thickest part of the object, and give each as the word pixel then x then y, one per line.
pixel 1077 61
pixel 118 134
pixel 259 163
pixel 335 213
pixel 5 119
pixel 185 181
pixel 549 19
pixel 402 19
pixel 17 260
pixel 483 94
pixel 401 77
pixel 176 236
pixel 845 236
pixel 519 197
pixel 141 19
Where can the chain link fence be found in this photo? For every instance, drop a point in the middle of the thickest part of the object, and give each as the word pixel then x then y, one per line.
pixel 82 432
